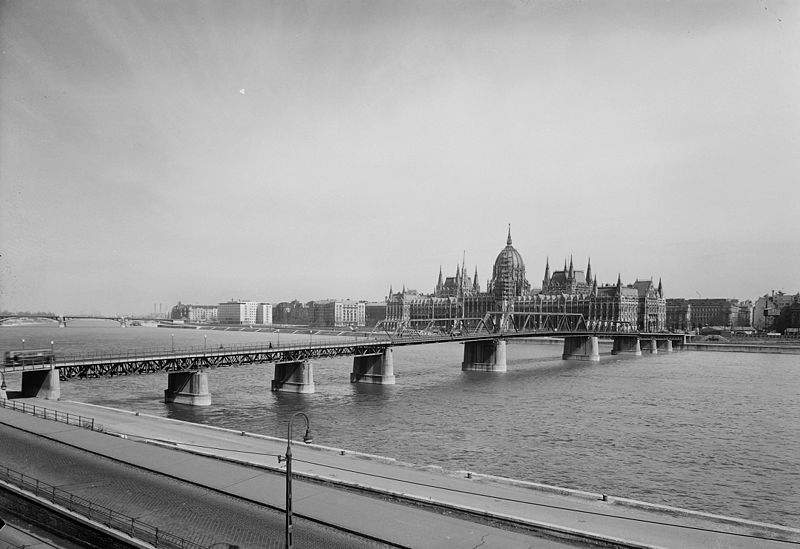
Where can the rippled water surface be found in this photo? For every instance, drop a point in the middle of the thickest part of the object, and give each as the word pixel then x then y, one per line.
pixel 718 432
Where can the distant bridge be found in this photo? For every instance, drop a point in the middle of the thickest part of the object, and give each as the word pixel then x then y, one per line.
pixel 484 342
pixel 62 319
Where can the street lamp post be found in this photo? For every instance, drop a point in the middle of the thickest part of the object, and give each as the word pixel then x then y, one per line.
pixel 23 343
pixel 52 354
pixel 307 438
pixel 172 336
pixel 205 341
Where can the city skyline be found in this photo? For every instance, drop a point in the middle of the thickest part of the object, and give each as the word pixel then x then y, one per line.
pixel 156 152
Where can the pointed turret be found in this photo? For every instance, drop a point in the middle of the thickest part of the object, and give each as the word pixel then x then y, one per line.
pixel 660 288
pixel 476 287
pixel 589 272
pixel 508 240
pixel 404 289
pixel 619 280
pixel 571 270
pixel 565 264
pixel 546 279
pixel 440 281
pixel 594 286
pixel 390 291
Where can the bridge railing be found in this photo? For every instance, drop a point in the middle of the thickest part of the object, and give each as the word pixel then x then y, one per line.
pixel 113 519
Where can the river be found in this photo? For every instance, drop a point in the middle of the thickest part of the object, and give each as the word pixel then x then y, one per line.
pixel 716 432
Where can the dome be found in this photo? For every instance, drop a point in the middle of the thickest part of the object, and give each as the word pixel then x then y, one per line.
pixel 508 274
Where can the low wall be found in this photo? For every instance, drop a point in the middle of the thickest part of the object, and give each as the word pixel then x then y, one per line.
pixel 743 348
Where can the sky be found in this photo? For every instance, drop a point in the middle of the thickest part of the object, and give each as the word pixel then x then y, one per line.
pixel 154 151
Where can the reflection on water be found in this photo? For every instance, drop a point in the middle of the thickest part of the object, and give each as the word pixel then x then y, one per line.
pixel 711 431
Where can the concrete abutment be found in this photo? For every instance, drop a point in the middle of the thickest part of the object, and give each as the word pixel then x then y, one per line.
pixel 187 387
pixel 377 368
pixel 42 384
pixel 665 345
pixel 487 355
pixel 581 348
pixel 294 377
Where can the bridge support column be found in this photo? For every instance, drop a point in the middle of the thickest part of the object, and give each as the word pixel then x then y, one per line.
pixel 665 345
pixel 62 322
pixel 653 347
pixel 626 345
pixel 484 356
pixel 294 377
pixel 188 387
pixel 41 384
pixel 376 368
pixel 3 387
pixel 581 348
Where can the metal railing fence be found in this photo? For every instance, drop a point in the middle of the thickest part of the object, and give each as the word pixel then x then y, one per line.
pixel 55 415
pixel 98 513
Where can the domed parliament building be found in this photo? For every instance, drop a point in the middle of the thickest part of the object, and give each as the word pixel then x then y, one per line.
pixel 459 299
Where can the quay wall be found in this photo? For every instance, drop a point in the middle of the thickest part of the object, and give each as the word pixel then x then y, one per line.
pixel 61 521
pixel 743 348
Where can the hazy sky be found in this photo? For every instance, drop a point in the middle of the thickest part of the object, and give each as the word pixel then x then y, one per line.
pixel 156 151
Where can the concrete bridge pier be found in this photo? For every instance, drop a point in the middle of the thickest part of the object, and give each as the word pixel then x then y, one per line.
pixel 652 346
pixel 294 377
pixel 62 322
pixel 188 387
pixel 581 348
pixel 665 345
pixel 41 384
pixel 626 345
pixel 377 368
pixel 484 356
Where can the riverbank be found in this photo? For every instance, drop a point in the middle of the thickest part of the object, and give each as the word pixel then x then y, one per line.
pixel 780 349
pixel 570 514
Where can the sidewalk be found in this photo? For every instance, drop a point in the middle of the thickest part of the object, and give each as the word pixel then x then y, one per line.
pixel 543 508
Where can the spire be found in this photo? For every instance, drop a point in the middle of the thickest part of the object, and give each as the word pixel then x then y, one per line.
pixel 565 264
pixel 439 282
pixel 475 285
pixel 594 286
pixel 571 270
pixel 546 279
pixel 619 280
pixel 589 272
pixel 404 289
pixel 508 240
pixel 390 290
pixel 660 288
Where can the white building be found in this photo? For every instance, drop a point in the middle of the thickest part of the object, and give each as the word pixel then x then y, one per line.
pixel 238 312
pixel 202 313
pixel 264 313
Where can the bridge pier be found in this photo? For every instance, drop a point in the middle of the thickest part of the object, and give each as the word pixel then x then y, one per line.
pixel 665 345
pixel 3 387
pixel 187 387
pixel 581 348
pixel 652 347
pixel 626 345
pixel 484 356
pixel 375 368
pixel 41 384
pixel 294 377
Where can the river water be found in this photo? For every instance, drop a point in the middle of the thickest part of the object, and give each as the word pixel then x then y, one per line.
pixel 717 432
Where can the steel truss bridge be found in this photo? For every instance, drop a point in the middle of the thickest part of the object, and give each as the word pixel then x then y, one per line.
pixel 490 327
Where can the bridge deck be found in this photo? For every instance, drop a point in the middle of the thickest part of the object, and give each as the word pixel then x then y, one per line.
pixel 138 362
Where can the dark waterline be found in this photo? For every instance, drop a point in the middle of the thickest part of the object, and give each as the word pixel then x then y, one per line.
pixel 718 432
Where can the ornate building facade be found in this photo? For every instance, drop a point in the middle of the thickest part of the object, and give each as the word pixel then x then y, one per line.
pixel 637 306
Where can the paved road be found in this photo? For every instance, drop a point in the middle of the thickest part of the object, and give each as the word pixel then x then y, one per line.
pixel 189 511
pixel 207 516
pixel 615 518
